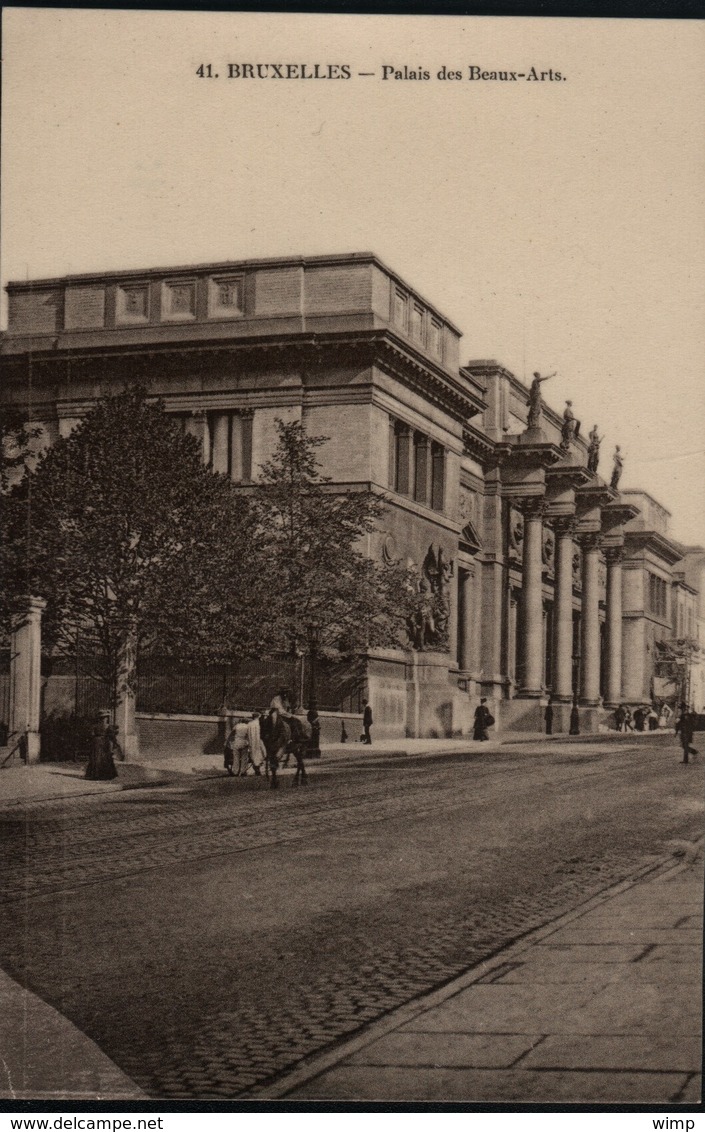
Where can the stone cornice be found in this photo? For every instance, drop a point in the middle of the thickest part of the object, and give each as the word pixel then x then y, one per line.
pixel 482 448
pixel 379 348
pixel 661 546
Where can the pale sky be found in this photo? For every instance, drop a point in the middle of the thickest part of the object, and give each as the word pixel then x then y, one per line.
pixel 559 224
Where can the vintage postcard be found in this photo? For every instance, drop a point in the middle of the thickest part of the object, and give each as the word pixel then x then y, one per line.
pixel 352 667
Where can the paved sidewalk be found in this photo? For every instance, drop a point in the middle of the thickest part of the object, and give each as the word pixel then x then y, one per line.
pixel 45 781
pixel 44 1057
pixel 602 1006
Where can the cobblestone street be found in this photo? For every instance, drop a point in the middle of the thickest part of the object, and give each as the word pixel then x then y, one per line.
pixel 209 935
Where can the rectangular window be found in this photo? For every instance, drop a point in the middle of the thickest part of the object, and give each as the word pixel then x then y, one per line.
pixel 227 441
pixel 403 452
pixel 658 596
pixel 438 471
pixel 421 467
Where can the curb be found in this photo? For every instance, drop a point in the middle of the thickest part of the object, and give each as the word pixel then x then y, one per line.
pixel 317 1064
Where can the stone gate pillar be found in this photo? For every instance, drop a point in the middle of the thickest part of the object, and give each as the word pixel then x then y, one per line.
pixel 26 678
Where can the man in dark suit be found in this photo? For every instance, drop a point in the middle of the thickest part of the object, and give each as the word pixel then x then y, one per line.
pixel 367 723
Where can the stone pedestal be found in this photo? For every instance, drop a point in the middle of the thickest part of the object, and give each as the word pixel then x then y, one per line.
pixel 25 678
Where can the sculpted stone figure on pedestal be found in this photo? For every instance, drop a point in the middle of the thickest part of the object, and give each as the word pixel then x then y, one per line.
pixel 535 399
pixel 570 428
pixel 593 457
pixel 617 469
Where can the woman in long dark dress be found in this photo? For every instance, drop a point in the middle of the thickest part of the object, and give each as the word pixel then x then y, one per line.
pixel 101 766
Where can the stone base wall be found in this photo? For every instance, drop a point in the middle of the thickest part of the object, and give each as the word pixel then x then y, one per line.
pixel 167 736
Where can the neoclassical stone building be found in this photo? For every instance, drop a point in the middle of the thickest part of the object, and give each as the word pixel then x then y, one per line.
pixel 492 501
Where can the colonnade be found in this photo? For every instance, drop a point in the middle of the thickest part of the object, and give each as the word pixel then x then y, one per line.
pixel 531 643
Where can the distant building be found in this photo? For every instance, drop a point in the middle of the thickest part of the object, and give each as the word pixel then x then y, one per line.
pixel 552 587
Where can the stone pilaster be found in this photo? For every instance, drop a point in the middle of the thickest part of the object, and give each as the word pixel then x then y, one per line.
pixel 614 625
pixel 590 624
pixel 531 659
pixel 25 677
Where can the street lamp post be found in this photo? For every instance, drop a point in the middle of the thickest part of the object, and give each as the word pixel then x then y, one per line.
pixel 314 640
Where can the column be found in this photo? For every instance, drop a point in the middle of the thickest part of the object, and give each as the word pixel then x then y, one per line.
pixel 530 660
pixel 465 634
pixel 590 625
pixel 614 625
pixel 26 677
pixel 197 426
pixel 562 682
pixel 221 442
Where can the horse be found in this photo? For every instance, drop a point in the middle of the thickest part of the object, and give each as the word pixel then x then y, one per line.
pixel 282 737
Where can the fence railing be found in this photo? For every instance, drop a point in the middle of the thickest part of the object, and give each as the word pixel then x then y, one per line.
pixel 178 688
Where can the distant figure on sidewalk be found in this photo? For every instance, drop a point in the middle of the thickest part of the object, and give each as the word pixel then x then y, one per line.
pixel 685 727
pixel 101 767
pixel 620 716
pixel 628 722
pixel 652 718
pixel 483 720
pixel 366 723
pixel 236 747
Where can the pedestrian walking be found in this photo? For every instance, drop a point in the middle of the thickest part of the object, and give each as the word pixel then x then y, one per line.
pixel 366 723
pixel 620 716
pixel 236 750
pixel 685 726
pixel 101 766
pixel 255 747
pixel 628 722
pixel 483 720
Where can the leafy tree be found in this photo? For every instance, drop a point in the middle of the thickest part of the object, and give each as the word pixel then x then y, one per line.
pixel 135 544
pixel 16 435
pixel 313 536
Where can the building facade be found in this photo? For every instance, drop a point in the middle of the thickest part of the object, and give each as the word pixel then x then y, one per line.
pixel 540 569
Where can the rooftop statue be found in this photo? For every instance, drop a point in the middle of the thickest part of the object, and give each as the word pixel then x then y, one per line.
pixel 570 427
pixel 617 469
pixel 535 399
pixel 593 457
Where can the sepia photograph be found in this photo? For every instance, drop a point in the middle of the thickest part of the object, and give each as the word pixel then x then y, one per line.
pixel 352 531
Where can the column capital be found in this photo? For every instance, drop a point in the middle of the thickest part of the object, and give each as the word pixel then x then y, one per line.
pixel 590 540
pixel 564 526
pixel 614 555
pixel 532 506
pixel 199 414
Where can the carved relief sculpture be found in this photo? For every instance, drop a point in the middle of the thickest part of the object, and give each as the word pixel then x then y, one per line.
pixel 428 629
